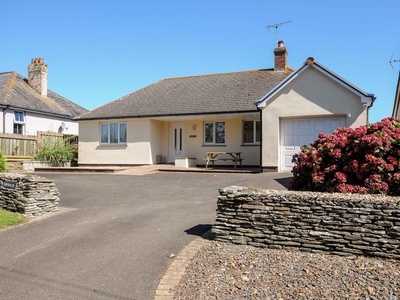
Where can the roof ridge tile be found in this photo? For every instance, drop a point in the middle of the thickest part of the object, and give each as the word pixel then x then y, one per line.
pixel 218 74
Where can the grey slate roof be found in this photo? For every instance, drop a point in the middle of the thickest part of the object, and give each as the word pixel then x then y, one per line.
pixel 205 94
pixel 16 93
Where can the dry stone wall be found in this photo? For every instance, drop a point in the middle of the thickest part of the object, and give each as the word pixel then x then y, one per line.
pixel 343 224
pixel 30 195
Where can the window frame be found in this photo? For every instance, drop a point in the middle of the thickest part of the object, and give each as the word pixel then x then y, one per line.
pixel 19 122
pixel 254 132
pixel 214 134
pixel 114 135
pixel 19 115
pixel 18 128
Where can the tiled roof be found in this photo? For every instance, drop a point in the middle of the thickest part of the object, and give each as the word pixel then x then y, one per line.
pixel 205 94
pixel 15 92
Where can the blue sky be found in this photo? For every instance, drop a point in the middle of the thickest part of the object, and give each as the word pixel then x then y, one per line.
pixel 98 51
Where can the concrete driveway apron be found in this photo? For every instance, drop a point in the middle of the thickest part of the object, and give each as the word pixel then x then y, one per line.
pixel 114 235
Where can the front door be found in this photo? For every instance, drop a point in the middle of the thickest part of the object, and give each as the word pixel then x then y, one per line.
pixel 177 141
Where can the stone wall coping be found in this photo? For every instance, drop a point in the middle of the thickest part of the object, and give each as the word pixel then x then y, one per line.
pixel 23 177
pixel 236 192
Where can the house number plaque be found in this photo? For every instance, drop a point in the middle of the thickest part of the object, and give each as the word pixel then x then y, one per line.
pixel 10 185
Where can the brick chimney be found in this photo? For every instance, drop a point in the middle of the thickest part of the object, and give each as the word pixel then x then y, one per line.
pixel 280 57
pixel 37 76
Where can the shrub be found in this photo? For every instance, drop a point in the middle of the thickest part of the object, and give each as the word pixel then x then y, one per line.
pixel 362 160
pixel 3 162
pixel 54 150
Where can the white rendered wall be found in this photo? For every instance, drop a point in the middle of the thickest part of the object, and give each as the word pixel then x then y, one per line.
pixel 148 138
pixel 35 122
pixel 137 151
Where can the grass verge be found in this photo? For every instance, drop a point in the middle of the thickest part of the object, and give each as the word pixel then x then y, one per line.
pixel 8 218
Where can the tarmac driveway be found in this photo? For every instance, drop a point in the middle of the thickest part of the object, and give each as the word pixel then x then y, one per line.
pixel 114 234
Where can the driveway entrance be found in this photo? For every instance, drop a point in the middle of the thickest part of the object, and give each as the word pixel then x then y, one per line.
pixel 116 236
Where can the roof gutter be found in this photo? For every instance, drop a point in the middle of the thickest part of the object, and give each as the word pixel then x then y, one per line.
pixel 38 111
pixel 162 116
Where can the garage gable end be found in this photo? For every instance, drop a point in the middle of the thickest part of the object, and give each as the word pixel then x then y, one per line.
pixel 365 98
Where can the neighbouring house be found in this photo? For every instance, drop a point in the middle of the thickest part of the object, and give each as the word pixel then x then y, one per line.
pixel 266 114
pixel 396 110
pixel 28 106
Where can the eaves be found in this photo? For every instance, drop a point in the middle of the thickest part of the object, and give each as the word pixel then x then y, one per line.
pixel 165 115
pixel 4 107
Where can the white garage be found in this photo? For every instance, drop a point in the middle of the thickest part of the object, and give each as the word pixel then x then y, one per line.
pixel 295 133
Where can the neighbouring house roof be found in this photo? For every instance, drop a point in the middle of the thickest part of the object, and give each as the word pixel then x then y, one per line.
pixel 15 93
pixel 396 100
pixel 234 92
pixel 365 97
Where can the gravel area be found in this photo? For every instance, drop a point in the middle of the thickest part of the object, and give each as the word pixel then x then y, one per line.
pixel 227 271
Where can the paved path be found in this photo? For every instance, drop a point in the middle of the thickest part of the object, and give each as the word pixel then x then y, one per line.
pixel 116 235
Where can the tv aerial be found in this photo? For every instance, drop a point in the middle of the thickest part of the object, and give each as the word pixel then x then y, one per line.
pixel 276 27
pixel 393 61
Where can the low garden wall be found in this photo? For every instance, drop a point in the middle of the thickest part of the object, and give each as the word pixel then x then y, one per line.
pixel 343 224
pixel 30 195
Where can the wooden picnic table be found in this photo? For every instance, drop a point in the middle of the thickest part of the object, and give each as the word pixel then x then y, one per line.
pixel 236 157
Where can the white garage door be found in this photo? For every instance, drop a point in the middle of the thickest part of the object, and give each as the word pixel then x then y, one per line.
pixel 298 132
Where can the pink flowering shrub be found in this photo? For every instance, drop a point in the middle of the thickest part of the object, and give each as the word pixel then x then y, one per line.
pixel 364 160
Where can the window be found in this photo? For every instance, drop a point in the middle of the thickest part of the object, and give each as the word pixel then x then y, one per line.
pixel 18 128
pixel 178 139
pixel 251 132
pixel 214 133
pixel 19 117
pixel 113 133
pixel 19 121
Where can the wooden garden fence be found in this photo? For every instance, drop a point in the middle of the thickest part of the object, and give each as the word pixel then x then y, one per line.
pixel 23 147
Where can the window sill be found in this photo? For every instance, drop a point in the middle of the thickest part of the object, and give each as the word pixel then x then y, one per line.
pixel 250 145
pixel 214 145
pixel 112 146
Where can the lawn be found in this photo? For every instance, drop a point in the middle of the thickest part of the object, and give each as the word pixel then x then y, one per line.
pixel 8 218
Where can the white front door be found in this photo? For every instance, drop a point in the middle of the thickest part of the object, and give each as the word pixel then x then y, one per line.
pixel 176 141
pixel 298 132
